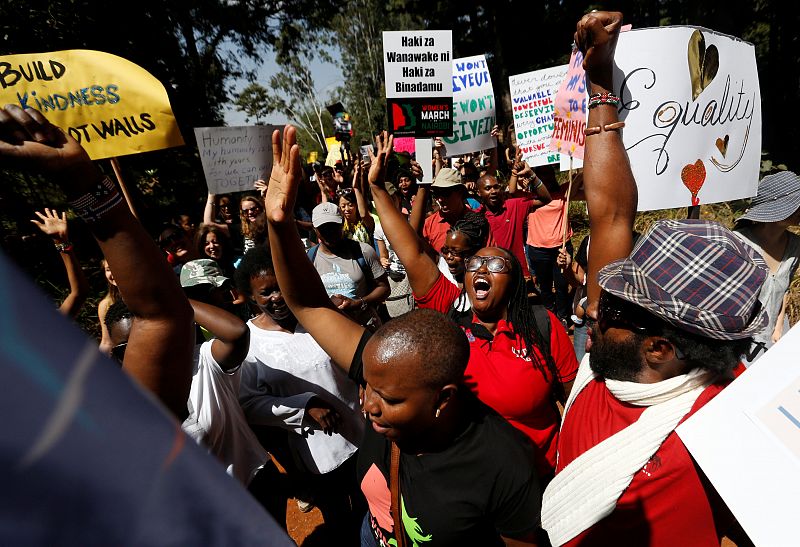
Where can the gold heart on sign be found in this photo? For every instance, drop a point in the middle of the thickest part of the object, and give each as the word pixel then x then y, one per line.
pixel 703 63
pixel 722 145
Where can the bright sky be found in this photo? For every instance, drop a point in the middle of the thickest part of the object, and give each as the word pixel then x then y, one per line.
pixel 326 78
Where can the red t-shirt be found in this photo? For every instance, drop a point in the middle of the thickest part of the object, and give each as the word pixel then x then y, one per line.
pixel 665 504
pixel 510 384
pixel 507 227
pixel 435 231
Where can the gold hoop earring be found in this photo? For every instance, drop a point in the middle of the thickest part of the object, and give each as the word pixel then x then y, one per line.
pixel 438 411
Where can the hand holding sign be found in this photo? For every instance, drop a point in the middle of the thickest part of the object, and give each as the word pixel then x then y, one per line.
pixel 596 37
pixel 31 142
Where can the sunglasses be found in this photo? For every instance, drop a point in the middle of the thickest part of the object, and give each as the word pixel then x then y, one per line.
pixel 118 352
pixel 254 210
pixel 495 264
pixel 614 312
pixel 344 192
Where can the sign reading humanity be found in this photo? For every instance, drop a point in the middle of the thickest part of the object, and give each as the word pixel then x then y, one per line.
pixel 419 93
pixel 692 117
pixel 108 104
pixel 473 107
pixel 532 98
pixel 234 158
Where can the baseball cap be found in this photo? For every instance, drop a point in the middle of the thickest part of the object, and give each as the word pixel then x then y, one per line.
pixel 324 213
pixel 696 275
pixel 203 270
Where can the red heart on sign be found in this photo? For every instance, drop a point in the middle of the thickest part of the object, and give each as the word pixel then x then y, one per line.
pixel 693 177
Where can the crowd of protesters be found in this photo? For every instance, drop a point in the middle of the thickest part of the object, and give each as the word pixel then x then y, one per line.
pixel 408 356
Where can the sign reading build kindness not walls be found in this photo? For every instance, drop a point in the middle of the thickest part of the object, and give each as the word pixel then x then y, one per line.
pixel 108 104
pixel 419 90
pixel 692 110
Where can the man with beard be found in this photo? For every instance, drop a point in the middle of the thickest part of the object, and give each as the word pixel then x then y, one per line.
pixel 672 318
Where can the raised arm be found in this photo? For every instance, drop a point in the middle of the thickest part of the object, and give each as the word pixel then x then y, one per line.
pixel 210 211
pixel 421 270
pixel 300 284
pixel 608 181
pixel 55 226
pixel 361 192
pixel 159 350
pixel 231 335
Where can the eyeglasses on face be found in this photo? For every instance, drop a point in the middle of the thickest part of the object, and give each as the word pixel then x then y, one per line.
pixel 495 264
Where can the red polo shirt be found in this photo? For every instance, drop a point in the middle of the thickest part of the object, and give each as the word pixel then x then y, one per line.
pixel 507 227
pixel 510 383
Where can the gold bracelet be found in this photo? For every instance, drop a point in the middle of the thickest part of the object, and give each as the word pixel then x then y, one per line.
pixel 589 131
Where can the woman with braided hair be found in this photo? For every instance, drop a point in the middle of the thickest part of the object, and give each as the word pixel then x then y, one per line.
pixel 521 359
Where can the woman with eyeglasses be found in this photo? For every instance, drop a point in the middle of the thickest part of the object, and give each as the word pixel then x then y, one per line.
pixel 254 223
pixel 358 224
pixel 520 364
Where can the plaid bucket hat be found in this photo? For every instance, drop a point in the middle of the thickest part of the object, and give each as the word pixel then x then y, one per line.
pixel 777 199
pixel 694 274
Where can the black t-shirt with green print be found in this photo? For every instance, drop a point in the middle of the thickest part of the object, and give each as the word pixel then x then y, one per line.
pixel 482 486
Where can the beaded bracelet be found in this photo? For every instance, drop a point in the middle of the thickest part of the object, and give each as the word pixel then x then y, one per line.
pixel 64 247
pixel 603 98
pixel 589 131
pixel 96 203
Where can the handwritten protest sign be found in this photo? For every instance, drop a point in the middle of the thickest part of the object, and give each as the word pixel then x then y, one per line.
pixel 108 104
pixel 473 107
pixel 404 144
pixel 570 108
pixel 692 108
pixel 757 418
pixel 419 91
pixel 334 151
pixel 235 157
pixel 532 97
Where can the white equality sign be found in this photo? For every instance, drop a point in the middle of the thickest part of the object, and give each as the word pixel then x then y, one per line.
pixel 747 441
pixel 532 100
pixel 473 107
pixel 692 110
pixel 418 63
pixel 234 158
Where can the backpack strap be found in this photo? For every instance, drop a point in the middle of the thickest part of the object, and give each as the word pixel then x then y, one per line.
pixel 543 324
pixel 312 252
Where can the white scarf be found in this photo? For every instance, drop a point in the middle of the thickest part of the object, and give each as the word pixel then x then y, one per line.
pixel 587 489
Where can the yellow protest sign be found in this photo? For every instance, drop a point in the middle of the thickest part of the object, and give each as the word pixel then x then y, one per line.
pixel 334 151
pixel 111 106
